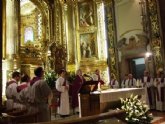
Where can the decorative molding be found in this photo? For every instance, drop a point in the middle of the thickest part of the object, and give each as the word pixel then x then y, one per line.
pixel 112 51
pixel 155 34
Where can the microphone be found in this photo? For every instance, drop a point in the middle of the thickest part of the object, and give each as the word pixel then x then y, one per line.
pixel 85 75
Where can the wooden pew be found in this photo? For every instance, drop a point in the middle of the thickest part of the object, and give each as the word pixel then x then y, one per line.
pixel 19 117
pixel 90 119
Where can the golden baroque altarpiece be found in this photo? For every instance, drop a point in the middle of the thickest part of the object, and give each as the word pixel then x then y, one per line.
pixel 80 34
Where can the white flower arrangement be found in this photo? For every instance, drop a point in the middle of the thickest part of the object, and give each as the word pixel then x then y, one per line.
pixel 137 112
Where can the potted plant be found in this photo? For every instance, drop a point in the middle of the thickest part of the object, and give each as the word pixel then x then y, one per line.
pixel 137 112
pixel 71 77
pixel 51 77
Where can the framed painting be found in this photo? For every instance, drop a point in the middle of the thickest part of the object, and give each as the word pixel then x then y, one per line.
pixel 88 45
pixel 86 13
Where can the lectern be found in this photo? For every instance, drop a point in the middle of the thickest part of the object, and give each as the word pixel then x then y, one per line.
pixel 88 86
pixel 88 103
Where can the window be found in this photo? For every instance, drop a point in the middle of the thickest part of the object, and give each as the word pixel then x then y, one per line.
pixel 39 26
pixel 29 34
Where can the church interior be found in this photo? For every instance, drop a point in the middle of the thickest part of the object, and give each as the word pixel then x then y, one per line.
pixel 118 37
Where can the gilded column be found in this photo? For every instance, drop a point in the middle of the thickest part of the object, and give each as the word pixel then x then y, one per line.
pixel 10 39
pixel 64 23
pixel 101 31
pixel 64 30
pixel 57 18
pixel 155 37
pixel 1 36
pixel 4 29
pixel 71 34
pixel 12 33
pixel 111 38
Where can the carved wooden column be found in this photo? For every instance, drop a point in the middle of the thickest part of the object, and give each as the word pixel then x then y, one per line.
pixel 1 41
pixel 162 20
pixel 155 35
pixel 111 38
pixel 57 19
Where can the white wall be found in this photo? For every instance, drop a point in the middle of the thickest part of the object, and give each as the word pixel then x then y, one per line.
pixel 128 16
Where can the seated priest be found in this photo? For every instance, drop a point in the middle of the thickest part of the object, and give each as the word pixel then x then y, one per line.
pixel 125 81
pixel 96 77
pixel 146 79
pixel 113 82
pixel 131 82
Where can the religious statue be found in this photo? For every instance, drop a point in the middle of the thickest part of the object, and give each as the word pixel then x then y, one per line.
pixel 59 55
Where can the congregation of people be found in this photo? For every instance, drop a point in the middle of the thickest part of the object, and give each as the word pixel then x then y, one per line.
pixel 34 94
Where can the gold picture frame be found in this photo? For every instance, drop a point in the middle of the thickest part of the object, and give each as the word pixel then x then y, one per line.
pixel 86 13
pixel 88 45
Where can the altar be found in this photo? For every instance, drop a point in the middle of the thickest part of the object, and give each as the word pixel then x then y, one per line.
pixel 102 101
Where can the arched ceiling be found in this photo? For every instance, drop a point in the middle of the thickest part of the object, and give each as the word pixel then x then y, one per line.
pixel 120 2
pixel 27 7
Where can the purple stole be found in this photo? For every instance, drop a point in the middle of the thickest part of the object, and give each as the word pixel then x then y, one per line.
pixel 131 82
pixel 99 79
pixel 112 83
pixel 34 80
pixel 162 90
pixel 149 91
pixel 162 80
pixel 21 87
pixel 148 79
pixel 124 81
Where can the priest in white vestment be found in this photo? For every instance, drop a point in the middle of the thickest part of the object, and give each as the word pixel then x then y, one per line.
pixel 63 87
pixel 23 90
pixel 40 92
pixel 113 82
pixel 130 82
pixel 160 91
pixel 124 81
pixel 148 84
pixel 11 91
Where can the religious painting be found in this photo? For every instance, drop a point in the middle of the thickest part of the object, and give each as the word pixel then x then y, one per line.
pixel 86 13
pixel 88 45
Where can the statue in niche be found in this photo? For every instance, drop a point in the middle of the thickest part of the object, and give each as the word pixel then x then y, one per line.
pixel 59 55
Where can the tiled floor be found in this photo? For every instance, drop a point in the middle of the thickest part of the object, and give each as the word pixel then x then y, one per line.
pixel 159 118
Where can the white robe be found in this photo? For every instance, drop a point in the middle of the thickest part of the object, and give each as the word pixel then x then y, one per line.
pixel 23 97
pixel 130 83
pixel 159 104
pixel 11 94
pixel 64 97
pixel 114 83
pixel 124 83
pixel 149 86
pixel 40 91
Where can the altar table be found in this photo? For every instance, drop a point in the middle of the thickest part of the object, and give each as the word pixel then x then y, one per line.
pixel 102 101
